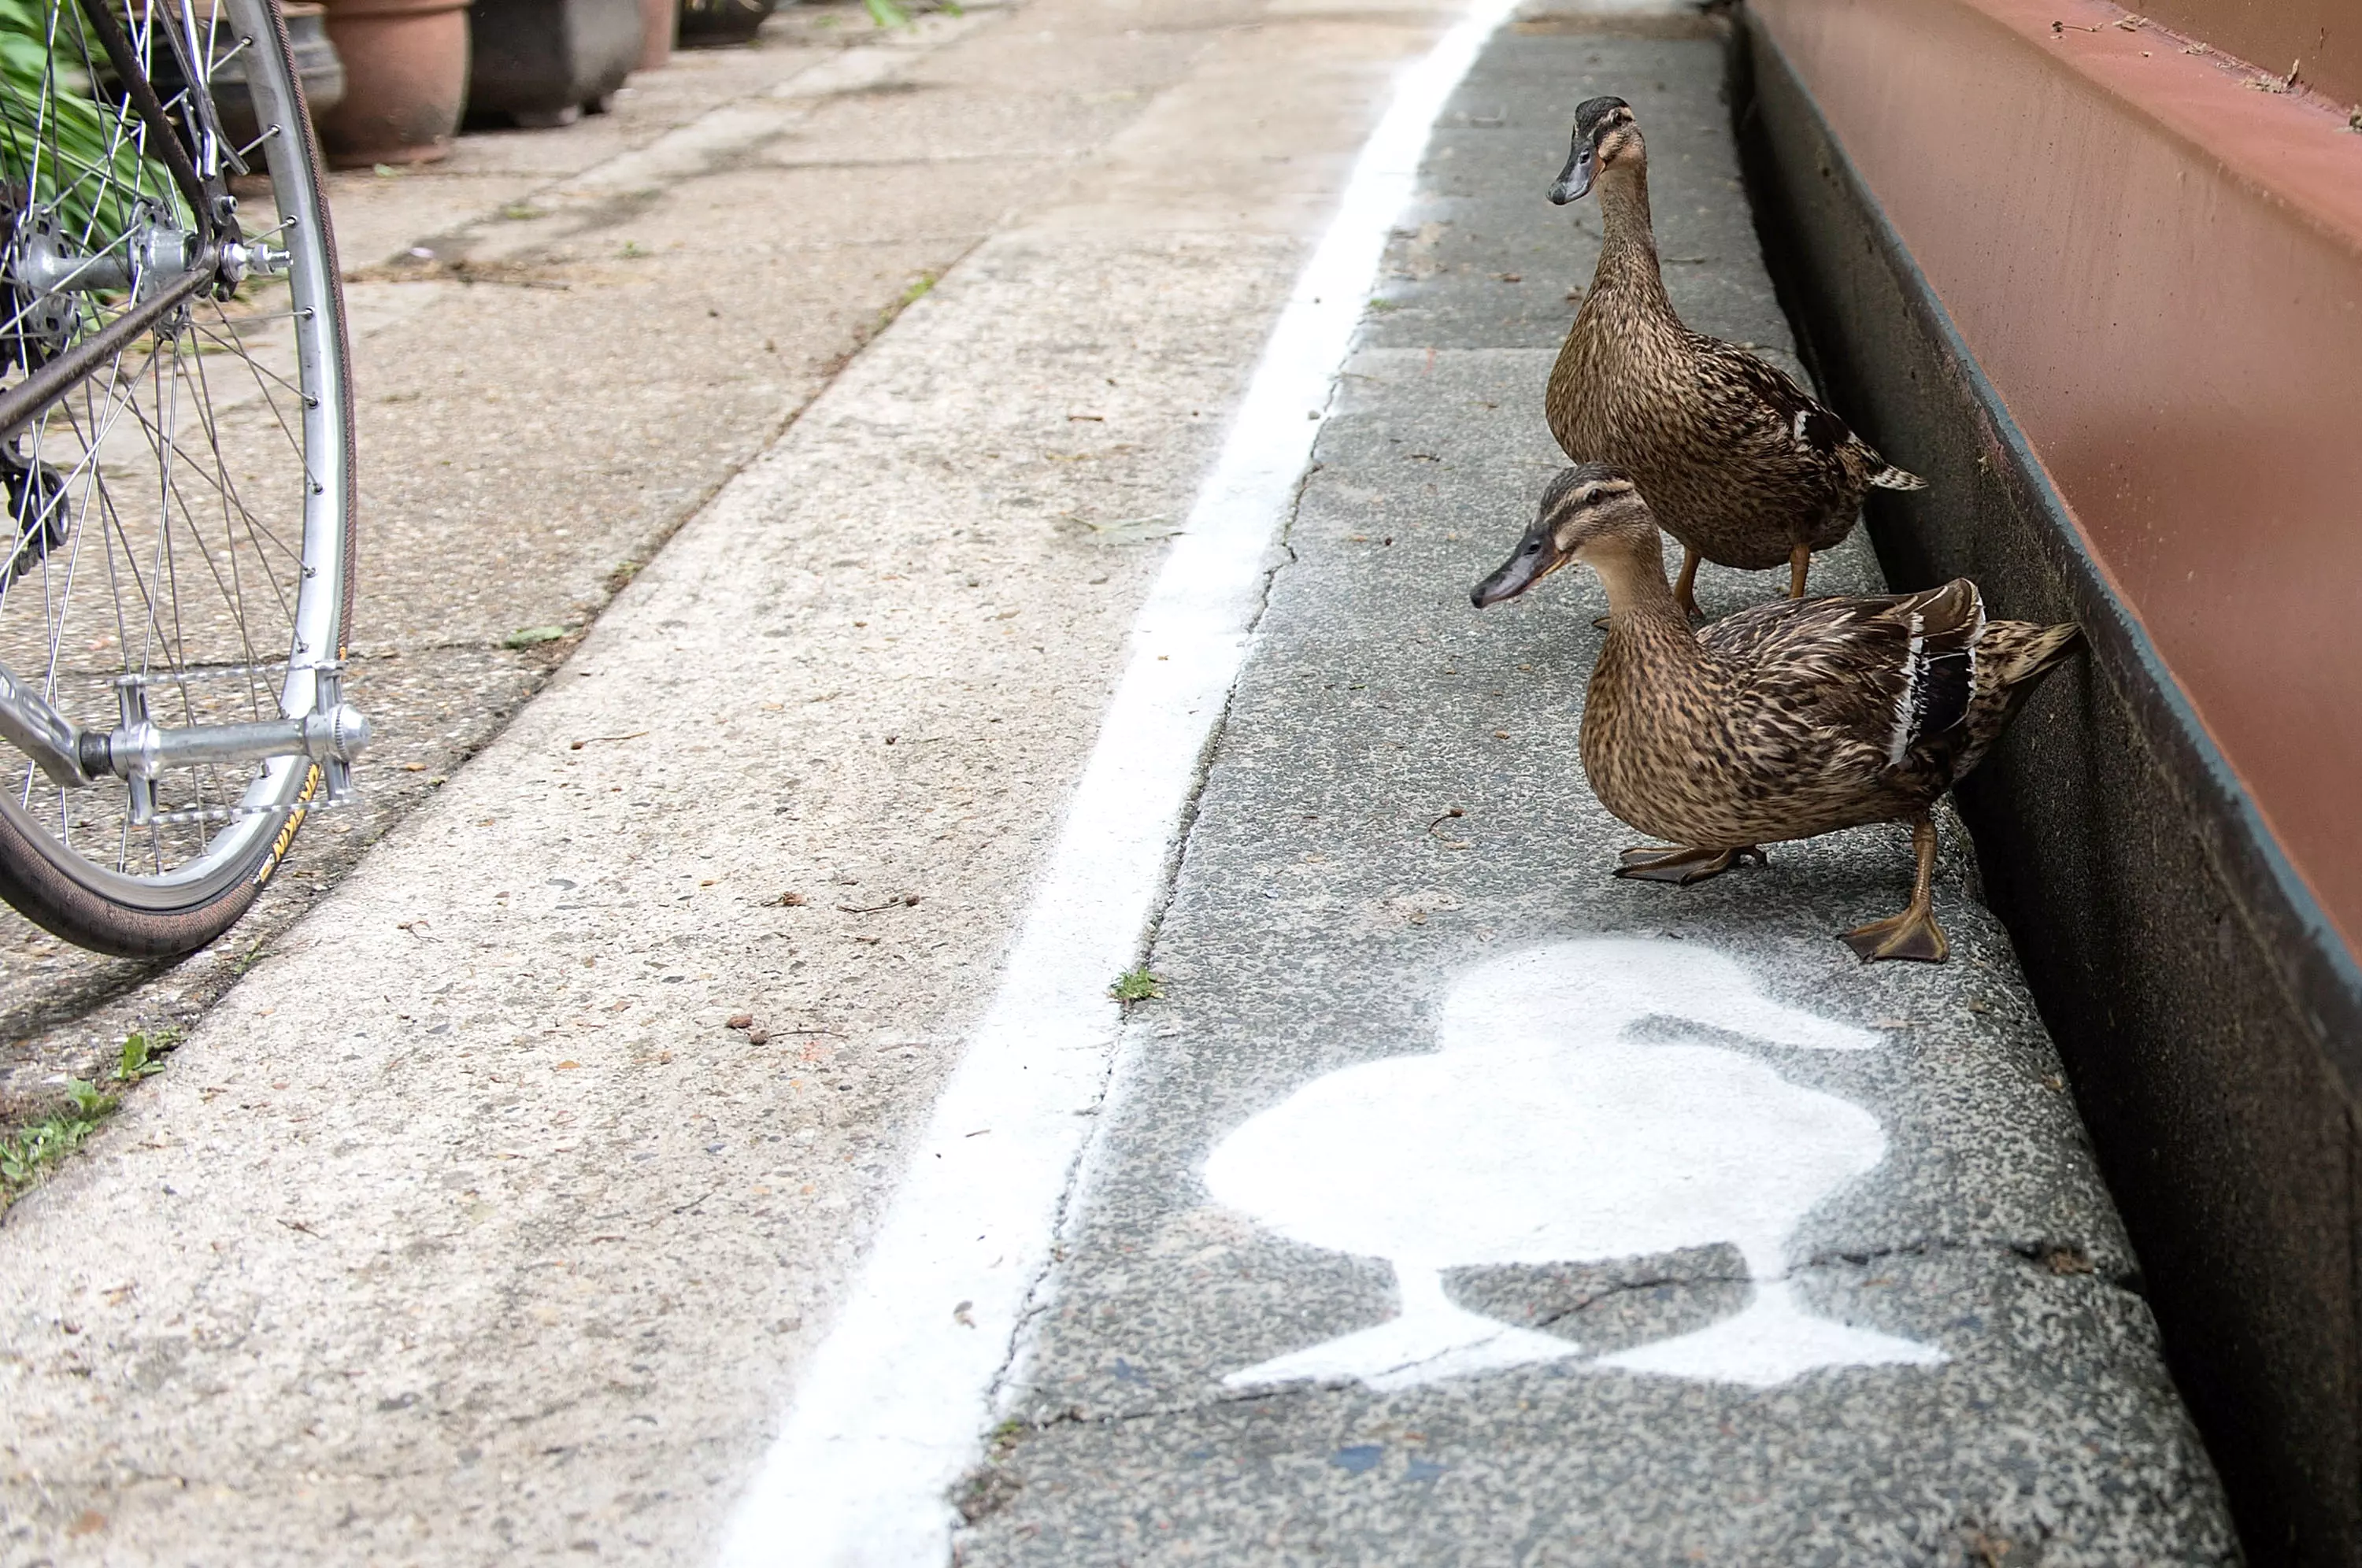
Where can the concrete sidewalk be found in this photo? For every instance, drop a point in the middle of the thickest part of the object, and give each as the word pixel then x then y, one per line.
pixel 1459 1204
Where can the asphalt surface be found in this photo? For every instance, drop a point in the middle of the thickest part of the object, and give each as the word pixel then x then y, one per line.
pixel 1459 1204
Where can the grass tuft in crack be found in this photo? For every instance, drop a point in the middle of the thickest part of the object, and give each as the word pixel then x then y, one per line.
pixel 1135 986
pixel 991 1486
pixel 910 296
pixel 28 1154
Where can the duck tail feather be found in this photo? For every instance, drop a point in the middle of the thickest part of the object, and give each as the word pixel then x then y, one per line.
pixel 1892 477
pixel 2022 652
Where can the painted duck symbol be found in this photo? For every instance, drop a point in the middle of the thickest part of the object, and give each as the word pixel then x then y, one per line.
pixel 1537 1135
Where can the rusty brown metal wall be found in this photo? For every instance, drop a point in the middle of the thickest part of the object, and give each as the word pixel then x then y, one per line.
pixel 2161 269
pixel 2105 296
pixel 2322 37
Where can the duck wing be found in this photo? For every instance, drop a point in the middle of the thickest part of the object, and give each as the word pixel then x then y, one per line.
pixel 1812 427
pixel 1892 679
pixel 1735 376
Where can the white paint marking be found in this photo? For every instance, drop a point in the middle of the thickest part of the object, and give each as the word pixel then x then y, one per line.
pixel 1906 706
pixel 1537 1134
pixel 893 1404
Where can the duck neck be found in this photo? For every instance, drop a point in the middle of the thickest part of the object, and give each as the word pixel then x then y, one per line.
pixel 1643 619
pixel 1627 250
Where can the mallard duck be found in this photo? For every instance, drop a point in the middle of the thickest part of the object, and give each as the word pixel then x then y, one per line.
pixel 1786 720
pixel 1743 467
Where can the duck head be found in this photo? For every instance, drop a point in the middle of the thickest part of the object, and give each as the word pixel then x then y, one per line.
pixel 1586 508
pixel 1604 137
pixel 1590 990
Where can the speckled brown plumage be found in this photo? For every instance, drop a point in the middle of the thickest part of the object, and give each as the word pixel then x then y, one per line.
pixel 1784 721
pixel 1738 462
pixel 1781 722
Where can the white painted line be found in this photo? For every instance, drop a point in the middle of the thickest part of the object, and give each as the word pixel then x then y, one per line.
pixel 893 1404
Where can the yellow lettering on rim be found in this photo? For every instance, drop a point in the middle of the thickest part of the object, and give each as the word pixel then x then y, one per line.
pixel 287 833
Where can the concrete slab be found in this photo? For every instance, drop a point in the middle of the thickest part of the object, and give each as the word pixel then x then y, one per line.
pixel 1457 1203
pixel 531 430
pixel 530 433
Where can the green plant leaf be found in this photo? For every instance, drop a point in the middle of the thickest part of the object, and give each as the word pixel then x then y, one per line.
pixel 85 166
pixel 1136 986
pixel 143 1053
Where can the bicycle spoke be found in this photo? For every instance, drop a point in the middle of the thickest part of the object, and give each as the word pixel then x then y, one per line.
pixel 176 487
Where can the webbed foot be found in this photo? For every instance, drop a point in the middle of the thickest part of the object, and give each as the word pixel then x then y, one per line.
pixel 1912 935
pixel 1685 866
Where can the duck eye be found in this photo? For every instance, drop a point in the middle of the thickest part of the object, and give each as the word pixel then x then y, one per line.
pixel 1534 549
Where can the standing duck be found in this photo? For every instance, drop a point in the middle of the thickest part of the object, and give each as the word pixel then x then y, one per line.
pixel 1742 465
pixel 1784 721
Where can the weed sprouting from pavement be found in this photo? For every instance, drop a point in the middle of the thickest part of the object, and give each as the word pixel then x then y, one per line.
pixel 26 1154
pixel 29 1152
pixel 1135 986
pixel 910 296
pixel 144 1053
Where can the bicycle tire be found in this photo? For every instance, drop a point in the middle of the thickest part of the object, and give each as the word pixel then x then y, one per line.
pixel 155 904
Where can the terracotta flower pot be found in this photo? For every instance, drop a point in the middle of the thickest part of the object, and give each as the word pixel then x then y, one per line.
pixel 658 21
pixel 405 80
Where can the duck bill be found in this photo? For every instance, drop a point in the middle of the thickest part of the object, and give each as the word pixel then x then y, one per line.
pixel 1517 574
pixel 1574 180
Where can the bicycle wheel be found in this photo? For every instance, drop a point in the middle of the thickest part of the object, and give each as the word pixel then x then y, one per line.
pixel 176 442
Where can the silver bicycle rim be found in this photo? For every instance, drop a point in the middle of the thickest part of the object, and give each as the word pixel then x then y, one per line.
pixel 190 467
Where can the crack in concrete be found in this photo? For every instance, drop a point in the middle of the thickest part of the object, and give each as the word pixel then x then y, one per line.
pixel 2062 1259
pixel 1628 1287
pixel 2040 1252
pixel 1075 1415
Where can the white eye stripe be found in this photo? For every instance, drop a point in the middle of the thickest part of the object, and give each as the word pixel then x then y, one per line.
pixel 1592 495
